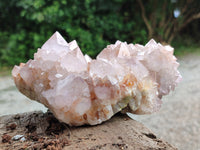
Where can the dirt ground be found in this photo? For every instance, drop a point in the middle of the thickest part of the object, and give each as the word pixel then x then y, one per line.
pixel 177 122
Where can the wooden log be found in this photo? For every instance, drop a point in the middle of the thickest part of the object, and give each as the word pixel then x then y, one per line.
pixel 37 130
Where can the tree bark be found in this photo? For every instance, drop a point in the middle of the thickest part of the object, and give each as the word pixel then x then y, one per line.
pixel 148 25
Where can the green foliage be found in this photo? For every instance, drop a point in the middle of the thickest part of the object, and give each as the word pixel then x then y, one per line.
pixel 27 24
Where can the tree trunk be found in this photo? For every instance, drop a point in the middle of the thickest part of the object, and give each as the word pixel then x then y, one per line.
pixel 166 28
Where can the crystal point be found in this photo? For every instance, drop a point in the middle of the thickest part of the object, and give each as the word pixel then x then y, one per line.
pixel 152 42
pixel 55 42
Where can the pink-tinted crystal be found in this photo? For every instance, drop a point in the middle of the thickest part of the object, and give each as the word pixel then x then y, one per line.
pixel 80 90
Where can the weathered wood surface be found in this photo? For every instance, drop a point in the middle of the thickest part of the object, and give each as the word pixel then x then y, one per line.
pixel 43 131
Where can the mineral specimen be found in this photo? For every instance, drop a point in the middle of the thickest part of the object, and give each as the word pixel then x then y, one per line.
pixel 79 90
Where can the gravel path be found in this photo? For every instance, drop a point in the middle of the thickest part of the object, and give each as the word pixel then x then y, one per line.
pixel 178 121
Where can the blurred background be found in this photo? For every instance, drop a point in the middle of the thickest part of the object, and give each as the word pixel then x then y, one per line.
pixel 26 24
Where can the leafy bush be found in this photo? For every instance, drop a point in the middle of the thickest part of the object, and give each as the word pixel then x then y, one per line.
pixel 26 25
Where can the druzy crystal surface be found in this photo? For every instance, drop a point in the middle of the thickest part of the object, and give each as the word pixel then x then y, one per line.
pixel 79 90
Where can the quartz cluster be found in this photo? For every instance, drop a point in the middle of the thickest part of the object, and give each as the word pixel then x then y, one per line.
pixel 79 90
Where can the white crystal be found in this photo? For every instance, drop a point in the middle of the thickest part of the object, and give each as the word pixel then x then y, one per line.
pixel 87 58
pixel 79 90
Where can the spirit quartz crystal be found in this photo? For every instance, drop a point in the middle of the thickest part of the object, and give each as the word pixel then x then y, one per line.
pixel 79 90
